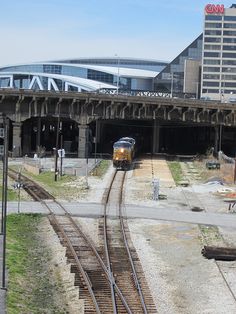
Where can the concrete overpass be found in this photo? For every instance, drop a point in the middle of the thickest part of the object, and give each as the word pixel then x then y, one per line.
pixel 83 108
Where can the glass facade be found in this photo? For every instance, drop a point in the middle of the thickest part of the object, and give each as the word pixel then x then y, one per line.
pixel 63 75
pixel 172 76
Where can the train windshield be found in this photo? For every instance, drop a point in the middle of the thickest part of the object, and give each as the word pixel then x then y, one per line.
pixel 128 139
pixel 122 144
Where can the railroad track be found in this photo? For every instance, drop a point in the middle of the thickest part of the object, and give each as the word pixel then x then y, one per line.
pixel 102 280
pixel 121 256
pixel 30 186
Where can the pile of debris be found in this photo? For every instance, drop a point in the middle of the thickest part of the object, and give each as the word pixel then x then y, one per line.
pixel 219 253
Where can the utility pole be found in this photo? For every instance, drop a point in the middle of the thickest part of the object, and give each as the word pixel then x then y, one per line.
pixel 96 141
pixel 61 172
pixel 118 74
pixel 5 122
pixel 57 142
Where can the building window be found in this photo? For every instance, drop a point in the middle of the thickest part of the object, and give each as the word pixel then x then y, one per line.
pixel 230 18
pixel 229 25
pixel 229 62
pixel 212 61
pixel 213 32
pixel 230 77
pixel 229 70
pixel 211 84
pixel 229 55
pixel 52 68
pixel 229 40
pixel 229 48
pixel 229 33
pixel 213 25
pixel 212 54
pixel 213 17
pixel 100 76
pixel 211 69
pixel 212 40
pixel 209 90
pixel 211 76
pixel 229 84
pixel 212 47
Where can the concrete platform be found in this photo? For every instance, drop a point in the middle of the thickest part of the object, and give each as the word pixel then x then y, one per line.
pixel 154 168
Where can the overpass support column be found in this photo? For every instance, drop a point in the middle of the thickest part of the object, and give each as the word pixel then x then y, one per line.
pixel 38 137
pixel 216 140
pixel 16 139
pixel 156 138
pixel 83 149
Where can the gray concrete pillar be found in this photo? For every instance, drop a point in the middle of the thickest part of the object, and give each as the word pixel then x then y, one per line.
pixel 26 136
pixel 216 140
pixel 83 141
pixel 16 139
pixel 156 138
pixel 38 134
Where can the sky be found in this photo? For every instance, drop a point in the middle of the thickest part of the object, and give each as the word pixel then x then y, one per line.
pixel 41 30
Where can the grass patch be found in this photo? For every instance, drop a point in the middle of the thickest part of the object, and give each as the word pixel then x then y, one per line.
pixel 101 168
pixel 176 171
pixel 212 235
pixel 30 288
pixel 56 188
pixel 12 195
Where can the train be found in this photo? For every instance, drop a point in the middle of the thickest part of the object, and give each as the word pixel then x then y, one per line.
pixel 123 153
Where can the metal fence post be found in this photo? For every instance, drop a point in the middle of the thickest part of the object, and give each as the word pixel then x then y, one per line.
pixel 4 203
pixel 156 187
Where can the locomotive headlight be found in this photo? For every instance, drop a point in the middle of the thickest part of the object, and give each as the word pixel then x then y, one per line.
pixel 122 150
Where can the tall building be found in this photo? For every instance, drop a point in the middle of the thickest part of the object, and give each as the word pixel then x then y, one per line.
pixel 218 77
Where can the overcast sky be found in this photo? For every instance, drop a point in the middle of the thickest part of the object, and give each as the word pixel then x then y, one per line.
pixel 40 30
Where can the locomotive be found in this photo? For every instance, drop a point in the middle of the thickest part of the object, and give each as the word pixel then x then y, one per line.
pixel 123 153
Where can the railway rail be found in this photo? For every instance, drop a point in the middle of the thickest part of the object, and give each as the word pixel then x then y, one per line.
pixel 103 285
pixel 121 257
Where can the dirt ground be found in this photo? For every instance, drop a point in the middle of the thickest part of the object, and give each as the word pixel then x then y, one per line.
pixel 180 278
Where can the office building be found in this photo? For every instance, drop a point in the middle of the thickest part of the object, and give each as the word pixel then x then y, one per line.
pixel 219 53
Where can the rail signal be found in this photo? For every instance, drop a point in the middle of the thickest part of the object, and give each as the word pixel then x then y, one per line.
pixel 61 153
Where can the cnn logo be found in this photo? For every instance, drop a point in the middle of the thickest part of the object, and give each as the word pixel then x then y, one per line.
pixel 215 8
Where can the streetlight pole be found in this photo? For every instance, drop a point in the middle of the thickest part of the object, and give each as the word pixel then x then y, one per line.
pixel 96 141
pixel 57 141
pixel 118 74
pixel 4 209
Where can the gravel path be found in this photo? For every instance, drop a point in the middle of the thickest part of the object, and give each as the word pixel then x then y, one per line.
pixel 181 280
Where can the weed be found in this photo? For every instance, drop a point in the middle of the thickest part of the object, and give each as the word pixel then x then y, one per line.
pixel 101 168
pixel 30 288
pixel 176 171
